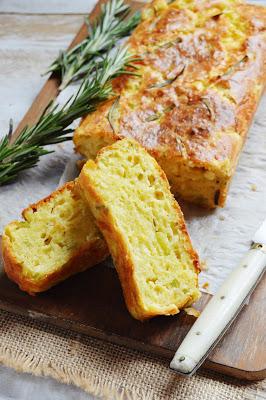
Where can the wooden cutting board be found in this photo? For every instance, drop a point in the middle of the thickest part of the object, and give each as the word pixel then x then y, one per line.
pixel 92 302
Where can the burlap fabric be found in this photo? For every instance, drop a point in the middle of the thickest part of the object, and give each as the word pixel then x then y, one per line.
pixel 106 370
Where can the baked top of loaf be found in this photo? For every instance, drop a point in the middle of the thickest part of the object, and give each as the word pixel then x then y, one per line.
pixel 200 79
pixel 144 228
pixel 57 238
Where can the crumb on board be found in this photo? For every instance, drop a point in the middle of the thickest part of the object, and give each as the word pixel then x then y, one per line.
pixel 192 311
pixel 221 218
pixel 205 285
pixel 203 265
pixel 253 187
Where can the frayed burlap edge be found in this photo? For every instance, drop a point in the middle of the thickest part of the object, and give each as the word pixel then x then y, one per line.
pixel 23 347
pixel 22 362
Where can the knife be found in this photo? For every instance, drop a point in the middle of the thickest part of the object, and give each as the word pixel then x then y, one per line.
pixel 222 309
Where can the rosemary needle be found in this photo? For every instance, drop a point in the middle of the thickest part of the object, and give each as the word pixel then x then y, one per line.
pixel 53 125
pixel 111 25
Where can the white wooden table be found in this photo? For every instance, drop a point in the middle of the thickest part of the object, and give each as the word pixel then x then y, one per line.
pixel 31 34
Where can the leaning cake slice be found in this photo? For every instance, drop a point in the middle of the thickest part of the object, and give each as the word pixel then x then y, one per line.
pixel 144 228
pixel 57 239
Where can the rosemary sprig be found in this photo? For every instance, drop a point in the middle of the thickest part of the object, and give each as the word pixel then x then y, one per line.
pixel 110 115
pixel 209 107
pixel 53 125
pixel 234 67
pixel 111 26
pixel 168 81
pixel 153 117
pixel 158 115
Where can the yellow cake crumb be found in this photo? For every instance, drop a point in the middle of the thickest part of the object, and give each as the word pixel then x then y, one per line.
pixel 192 311
pixel 205 285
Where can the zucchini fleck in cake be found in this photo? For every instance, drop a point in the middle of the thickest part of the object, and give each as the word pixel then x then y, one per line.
pixel 200 79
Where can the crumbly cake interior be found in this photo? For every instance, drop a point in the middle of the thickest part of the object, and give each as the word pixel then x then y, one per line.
pixel 143 210
pixel 52 233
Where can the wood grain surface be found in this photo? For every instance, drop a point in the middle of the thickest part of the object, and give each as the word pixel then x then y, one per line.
pixel 92 303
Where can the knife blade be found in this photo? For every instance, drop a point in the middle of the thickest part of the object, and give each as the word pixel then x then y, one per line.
pixel 222 309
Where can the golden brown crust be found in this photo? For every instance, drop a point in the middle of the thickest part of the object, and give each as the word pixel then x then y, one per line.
pixel 198 91
pixel 121 252
pixel 34 206
pixel 88 255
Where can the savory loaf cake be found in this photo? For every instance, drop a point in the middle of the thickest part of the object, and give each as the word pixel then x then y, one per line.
pixel 200 79
pixel 57 239
pixel 144 227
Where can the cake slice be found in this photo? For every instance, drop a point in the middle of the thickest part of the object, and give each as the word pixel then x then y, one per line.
pixel 144 228
pixel 57 239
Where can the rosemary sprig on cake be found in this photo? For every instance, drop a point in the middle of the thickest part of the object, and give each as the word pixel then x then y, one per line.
pixel 53 125
pixel 111 26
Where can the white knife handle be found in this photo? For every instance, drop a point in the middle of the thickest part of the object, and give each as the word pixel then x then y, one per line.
pixel 219 313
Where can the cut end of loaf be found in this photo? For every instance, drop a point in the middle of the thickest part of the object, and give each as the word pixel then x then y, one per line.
pixel 144 227
pixel 57 238
pixel 197 88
